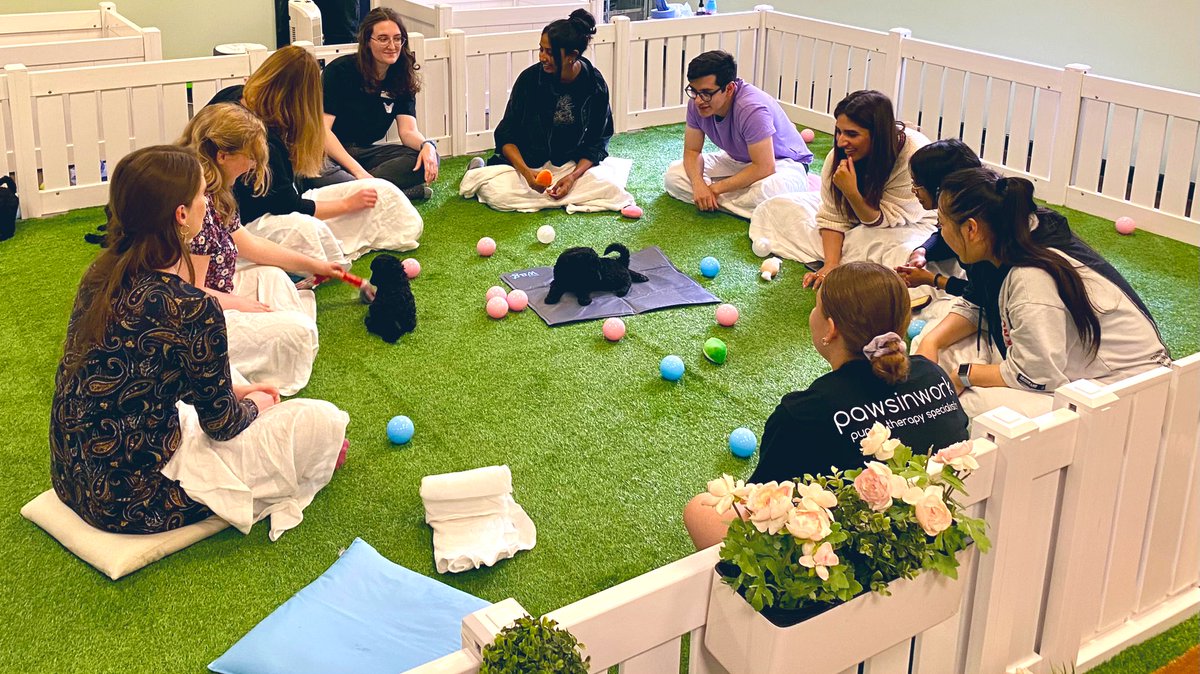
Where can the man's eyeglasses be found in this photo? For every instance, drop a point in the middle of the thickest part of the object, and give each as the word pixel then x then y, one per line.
pixel 705 96
pixel 384 40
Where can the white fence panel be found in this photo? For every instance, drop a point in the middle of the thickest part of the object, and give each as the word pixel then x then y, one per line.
pixel 76 39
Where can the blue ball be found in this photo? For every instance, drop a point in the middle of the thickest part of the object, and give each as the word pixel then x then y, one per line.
pixel 742 443
pixel 400 430
pixel 915 328
pixel 710 267
pixel 671 368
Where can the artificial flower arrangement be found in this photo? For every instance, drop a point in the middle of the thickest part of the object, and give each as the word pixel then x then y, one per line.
pixel 797 549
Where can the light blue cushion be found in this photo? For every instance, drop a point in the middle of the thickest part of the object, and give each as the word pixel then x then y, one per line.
pixel 365 614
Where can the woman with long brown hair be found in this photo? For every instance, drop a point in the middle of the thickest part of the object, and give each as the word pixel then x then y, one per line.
pixel 338 222
pixel 145 371
pixel 861 310
pixel 364 94
pixel 865 209
pixel 1059 319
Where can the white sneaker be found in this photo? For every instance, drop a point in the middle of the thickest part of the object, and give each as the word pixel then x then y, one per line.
pixel 476 162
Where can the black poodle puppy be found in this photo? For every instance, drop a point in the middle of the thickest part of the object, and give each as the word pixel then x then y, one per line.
pixel 581 271
pixel 394 310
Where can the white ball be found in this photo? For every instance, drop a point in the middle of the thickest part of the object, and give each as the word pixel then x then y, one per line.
pixel 761 247
pixel 545 234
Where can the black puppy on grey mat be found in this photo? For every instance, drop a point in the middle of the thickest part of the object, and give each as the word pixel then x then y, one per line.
pixel 393 312
pixel 581 271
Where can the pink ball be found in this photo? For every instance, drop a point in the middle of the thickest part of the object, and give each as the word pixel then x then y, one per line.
pixel 412 268
pixel 814 182
pixel 497 307
pixel 807 135
pixel 614 329
pixel 496 291
pixel 727 315
pixel 1126 225
pixel 486 246
pixel 518 300
pixel 632 211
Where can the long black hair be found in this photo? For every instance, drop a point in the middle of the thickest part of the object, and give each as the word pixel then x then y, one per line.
pixel 572 34
pixel 872 111
pixel 931 164
pixel 1004 206
pixel 401 78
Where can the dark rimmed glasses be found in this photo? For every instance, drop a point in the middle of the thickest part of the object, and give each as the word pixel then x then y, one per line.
pixel 705 95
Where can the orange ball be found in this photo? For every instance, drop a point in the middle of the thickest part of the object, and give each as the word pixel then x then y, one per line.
pixel 544 178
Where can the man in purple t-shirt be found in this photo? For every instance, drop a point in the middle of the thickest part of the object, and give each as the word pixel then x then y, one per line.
pixel 761 155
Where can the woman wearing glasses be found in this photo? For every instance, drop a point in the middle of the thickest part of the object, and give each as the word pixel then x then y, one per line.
pixel 558 119
pixel 338 222
pixel 866 209
pixel 364 93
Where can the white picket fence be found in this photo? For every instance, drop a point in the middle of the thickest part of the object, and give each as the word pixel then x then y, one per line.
pixel 1094 514
pixel 1105 146
pixel 485 16
pixel 76 39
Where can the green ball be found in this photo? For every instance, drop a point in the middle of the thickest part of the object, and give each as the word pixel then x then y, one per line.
pixel 715 350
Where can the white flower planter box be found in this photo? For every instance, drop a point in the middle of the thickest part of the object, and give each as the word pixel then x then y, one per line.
pixel 745 642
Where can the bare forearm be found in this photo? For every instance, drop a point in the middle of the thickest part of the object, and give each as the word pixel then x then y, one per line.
pixel 953 328
pixel 831 246
pixel 693 166
pixel 581 167
pixel 337 152
pixel 513 155
pixel 331 209
pixel 866 214
pixel 267 252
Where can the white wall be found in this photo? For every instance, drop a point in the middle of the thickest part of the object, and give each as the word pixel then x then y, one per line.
pixel 189 27
pixel 1150 41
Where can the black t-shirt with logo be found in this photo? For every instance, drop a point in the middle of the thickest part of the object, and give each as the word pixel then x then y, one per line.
pixel 820 427
pixel 362 118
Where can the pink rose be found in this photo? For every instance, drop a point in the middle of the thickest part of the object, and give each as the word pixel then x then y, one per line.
pixel 809 524
pixel 878 486
pixel 819 558
pixel 769 505
pixel 932 513
pixel 959 456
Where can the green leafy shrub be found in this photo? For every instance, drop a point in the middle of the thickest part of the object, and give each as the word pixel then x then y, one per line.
pixel 532 646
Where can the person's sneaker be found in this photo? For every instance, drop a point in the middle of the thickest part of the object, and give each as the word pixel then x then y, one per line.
pixel 476 162
pixel 418 192
pixel 341 460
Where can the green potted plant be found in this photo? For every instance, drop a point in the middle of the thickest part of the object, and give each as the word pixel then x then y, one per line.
pixel 805 559
pixel 534 646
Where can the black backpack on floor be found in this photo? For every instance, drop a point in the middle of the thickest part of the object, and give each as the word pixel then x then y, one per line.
pixel 8 207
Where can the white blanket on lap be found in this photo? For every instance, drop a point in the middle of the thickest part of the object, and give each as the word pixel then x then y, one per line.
pixel 789 221
pixel 273 468
pixel 393 223
pixel 601 188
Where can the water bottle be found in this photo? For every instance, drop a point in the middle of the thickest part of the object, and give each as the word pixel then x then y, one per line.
pixel 710 7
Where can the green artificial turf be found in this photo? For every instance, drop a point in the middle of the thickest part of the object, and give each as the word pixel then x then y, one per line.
pixel 1150 655
pixel 603 452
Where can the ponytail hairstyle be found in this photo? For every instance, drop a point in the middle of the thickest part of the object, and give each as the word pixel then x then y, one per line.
pixel 230 128
pixel 572 34
pixel 931 164
pixel 869 305
pixel 1004 207
pixel 285 93
pixel 872 111
pixel 144 191
pixel 401 78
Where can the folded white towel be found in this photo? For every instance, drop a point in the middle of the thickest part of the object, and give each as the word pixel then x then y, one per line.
pixel 475 520
pixel 601 188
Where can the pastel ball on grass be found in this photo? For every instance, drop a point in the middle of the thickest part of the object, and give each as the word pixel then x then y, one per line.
pixel 517 300
pixel 486 246
pixel 710 267
pixel 614 329
pixel 546 234
pixel 1125 225
pixel 400 430
pixel 727 315
pixel 807 135
pixel 671 368
pixel 742 443
pixel 497 307
pixel 496 291
pixel 412 268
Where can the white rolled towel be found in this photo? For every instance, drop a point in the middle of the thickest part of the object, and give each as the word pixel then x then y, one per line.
pixel 474 518
pixel 487 481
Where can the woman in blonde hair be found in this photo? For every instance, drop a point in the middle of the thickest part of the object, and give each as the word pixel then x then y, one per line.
pixel 272 326
pixel 862 308
pixel 360 215
pixel 149 428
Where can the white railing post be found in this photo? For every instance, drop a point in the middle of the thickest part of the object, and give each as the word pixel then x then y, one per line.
pixel 457 68
pixel 894 63
pixel 151 44
pixel 1066 132
pixel 257 54
pixel 20 99
pixel 107 9
pixel 598 11
pixel 443 19
pixel 1085 521
pixel 619 86
pixel 760 43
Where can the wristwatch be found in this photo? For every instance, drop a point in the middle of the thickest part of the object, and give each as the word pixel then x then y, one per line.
pixel 964 375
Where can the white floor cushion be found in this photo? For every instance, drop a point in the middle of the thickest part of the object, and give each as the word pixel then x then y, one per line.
pixel 114 555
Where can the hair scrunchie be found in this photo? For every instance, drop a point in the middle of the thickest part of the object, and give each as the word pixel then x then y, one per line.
pixel 882 345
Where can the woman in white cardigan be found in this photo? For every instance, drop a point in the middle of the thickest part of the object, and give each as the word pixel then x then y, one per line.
pixel 866 209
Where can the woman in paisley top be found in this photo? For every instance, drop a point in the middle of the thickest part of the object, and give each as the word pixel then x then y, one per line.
pixel 272 326
pixel 141 338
